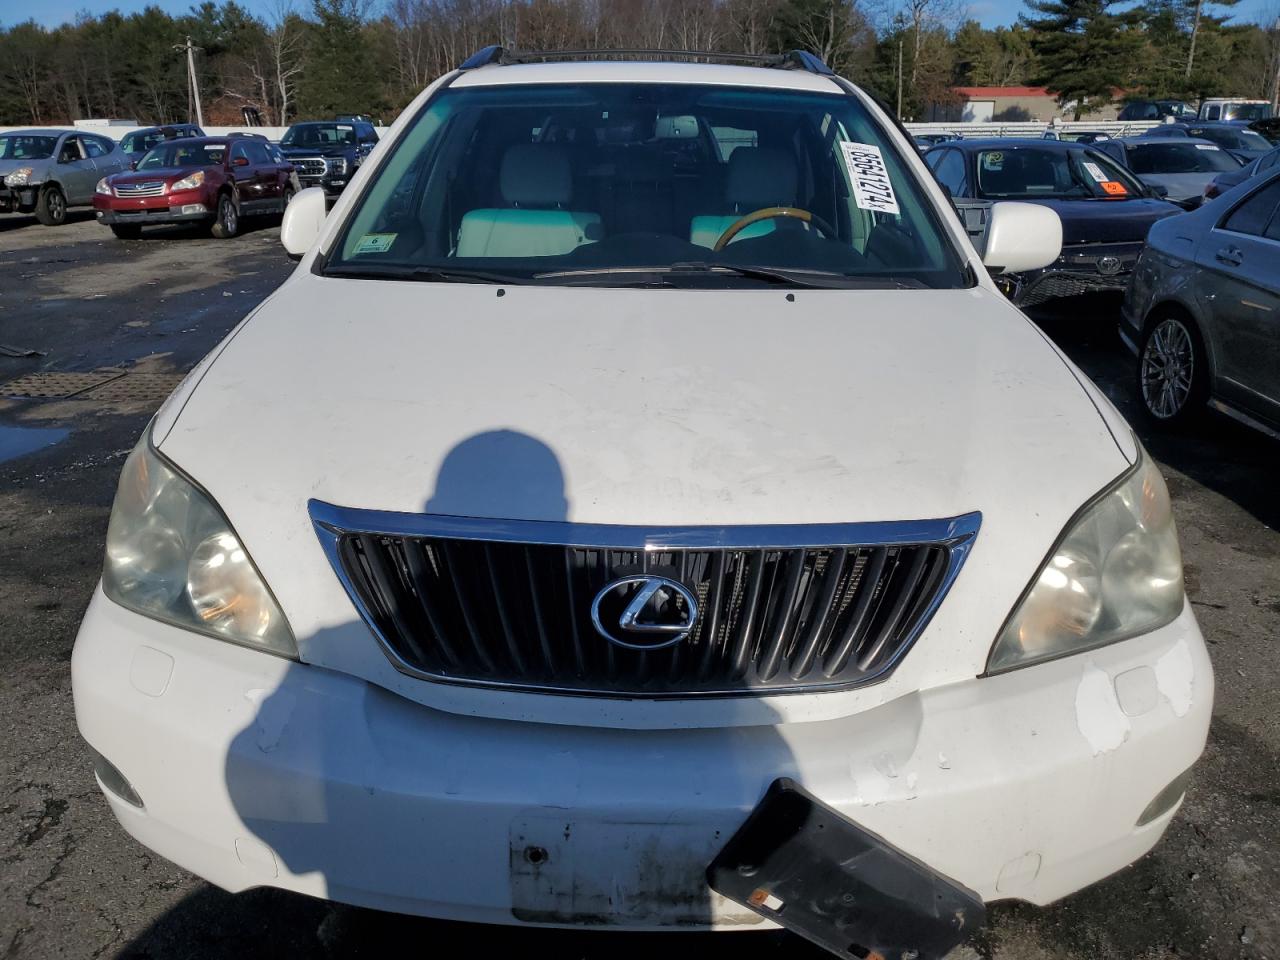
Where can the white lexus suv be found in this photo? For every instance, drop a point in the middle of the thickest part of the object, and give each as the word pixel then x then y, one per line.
pixel 641 509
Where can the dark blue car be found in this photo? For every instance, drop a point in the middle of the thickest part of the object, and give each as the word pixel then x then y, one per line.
pixel 1105 210
pixel 1235 138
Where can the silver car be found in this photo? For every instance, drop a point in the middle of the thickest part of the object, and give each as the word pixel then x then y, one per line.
pixel 1202 311
pixel 46 171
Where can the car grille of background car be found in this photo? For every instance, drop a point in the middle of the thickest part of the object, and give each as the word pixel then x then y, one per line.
pixel 151 188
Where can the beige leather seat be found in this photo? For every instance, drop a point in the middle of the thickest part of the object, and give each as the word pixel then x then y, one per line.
pixel 537 186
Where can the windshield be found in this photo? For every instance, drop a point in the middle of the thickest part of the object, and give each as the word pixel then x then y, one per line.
pixel 318 135
pixel 14 147
pixel 179 153
pixel 1017 171
pixel 1180 158
pixel 141 142
pixel 1231 139
pixel 1248 111
pixel 647 184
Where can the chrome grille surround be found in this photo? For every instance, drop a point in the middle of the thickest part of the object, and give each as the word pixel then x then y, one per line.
pixel 149 188
pixel 505 603
pixel 310 167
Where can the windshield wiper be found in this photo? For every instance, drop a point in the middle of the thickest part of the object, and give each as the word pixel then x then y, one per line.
pixel 819 279
pixel 422 274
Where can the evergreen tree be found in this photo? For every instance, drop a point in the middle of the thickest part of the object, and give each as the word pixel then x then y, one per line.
pixel 342 75
pixel 1086 49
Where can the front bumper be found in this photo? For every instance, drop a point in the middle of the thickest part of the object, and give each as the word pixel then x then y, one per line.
pixel 257 771
pixel 179 214
pixel 14 199
pixel 1082 269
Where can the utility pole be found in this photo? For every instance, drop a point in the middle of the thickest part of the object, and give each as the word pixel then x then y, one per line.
pixel 193 84
pixel 1195 30
pixel 899 79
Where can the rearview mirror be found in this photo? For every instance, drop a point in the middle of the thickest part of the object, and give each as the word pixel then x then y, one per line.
pixel 1021 236
pixel 303 221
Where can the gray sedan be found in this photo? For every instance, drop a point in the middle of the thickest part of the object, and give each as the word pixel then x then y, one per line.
pixel 46 171
pixel 1203 310
pixel 1181 168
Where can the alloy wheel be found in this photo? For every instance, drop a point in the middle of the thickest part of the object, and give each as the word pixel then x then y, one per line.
pixel 228 216
pixel 1168 369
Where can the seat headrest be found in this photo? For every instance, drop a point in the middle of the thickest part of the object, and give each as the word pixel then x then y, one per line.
pixel 760 177
pixel 535 175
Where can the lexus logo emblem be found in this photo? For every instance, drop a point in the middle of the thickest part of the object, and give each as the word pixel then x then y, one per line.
pixel 1108 266
pixel 644 612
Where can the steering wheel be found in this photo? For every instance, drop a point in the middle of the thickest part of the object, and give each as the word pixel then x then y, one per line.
pixel 772 213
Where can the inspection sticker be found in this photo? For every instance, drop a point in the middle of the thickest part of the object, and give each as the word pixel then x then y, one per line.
pixel 1095 171
pixel 871 187
pixel 375 242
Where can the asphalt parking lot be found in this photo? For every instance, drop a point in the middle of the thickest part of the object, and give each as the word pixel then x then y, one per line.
pixel 127 319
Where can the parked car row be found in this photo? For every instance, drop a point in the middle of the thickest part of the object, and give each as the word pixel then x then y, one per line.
pixel 175 174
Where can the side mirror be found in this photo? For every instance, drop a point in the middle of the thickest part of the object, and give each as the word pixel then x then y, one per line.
pixel 1157 190
pixel 133 164
pixel 303 221
pixel 1021 236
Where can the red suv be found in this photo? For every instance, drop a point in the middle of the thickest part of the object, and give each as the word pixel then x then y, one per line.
pixel 212 179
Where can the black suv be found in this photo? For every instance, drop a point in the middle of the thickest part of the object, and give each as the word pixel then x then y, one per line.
pixel 325 153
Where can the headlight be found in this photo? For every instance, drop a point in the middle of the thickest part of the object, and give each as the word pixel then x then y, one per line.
pixel 1115 573
pixel 102 187
pixel 188 183
pixel 338 165
pixel 172 555
pixel 17 178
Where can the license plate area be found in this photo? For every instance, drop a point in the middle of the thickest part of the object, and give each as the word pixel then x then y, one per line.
pixel 810 869
pixel 616 871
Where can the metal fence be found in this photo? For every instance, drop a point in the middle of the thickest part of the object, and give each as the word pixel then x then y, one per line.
pixel 1034 128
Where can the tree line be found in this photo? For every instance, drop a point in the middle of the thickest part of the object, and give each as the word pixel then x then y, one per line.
pixel 346 56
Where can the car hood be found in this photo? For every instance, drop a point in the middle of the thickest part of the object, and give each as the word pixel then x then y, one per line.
pixel 8 166
pixel 317 151
pixel 1108 221
pixel 1181 186
pixel 650 407
pixel 155 173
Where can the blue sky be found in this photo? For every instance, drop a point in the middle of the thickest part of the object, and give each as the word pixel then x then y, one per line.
pixel 52 12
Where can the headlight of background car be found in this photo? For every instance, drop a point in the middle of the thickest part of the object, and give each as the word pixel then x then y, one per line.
pixel 16 178
pixel 188 183
pixel 338 165
pixel 102 187
pixel 1116 572
pixel 172 555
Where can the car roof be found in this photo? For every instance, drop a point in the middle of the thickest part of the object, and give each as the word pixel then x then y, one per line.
pixel 646 71
pixel 1009 143
pixel 40 132
pixel 1151 141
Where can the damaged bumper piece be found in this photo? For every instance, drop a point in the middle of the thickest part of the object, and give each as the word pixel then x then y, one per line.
pixel 257 771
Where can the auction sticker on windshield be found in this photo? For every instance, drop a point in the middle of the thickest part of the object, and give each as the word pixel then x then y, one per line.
pixel 871 187
pixel 1095 171
pixel 1115 188
pixel 375 243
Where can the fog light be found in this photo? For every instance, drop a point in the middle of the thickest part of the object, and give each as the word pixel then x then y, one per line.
pixel 1166 799
pixel 113 780
pixel 98 214
pixel 194 208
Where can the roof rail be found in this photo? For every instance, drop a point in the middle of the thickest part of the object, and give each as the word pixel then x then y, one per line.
pixel 791 60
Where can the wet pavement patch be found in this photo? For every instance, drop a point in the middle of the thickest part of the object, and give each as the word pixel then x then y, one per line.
pixel 19 441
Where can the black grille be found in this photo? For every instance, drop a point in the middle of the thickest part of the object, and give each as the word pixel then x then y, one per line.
pixel 519 614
